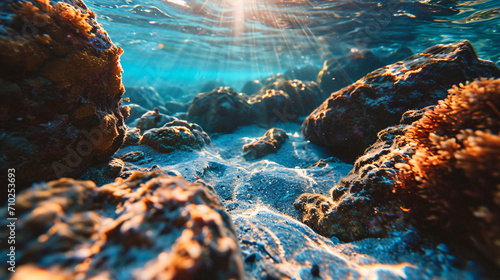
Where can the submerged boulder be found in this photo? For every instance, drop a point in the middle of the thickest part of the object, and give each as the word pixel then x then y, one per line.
pixel 60 90
pixel 437 170
pixel 343 71
pixel 220 110
pixel 149 226
pixel 285 100
pixel 349 120
pixel 176 135
pixel 270 143
pixel 153 119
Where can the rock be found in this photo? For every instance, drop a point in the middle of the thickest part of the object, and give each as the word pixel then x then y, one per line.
pixel 211 86
pixel 104 173
pixel 133 156
pixel 304 73
pixel 176 107
pixel 270 143
pixel 442 169
pixel 345 70
pixel 132 137
pixel 152 224
pixel 153 119
pixel 274 79
pixel 60 90
pixel 176 135
pixel 136 111
pixel 146 97
pixel 252 87
pixel 349 120
pixel 285 100
pixel 221 110
pixel 171 93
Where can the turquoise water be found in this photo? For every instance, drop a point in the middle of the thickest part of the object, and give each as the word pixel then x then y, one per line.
pixel 187 42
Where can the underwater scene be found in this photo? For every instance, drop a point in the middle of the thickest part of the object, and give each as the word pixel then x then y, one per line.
pixel 250 139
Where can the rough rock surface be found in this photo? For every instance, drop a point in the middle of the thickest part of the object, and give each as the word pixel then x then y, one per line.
pixel 349 120
pixel 176 135
pixel 285 100
pixel 150 226
pixel 437 170
pixel 220 110
pixel 60 90
pixel 270 143
pixel 153 119
pixel 252 87
pixel 343 71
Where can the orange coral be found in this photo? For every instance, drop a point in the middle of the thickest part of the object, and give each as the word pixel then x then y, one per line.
pixel 452 182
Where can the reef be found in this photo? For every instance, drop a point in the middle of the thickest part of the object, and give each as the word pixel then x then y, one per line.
pixel 153 119
pixel 338 72
pixel 149 226
pixel 284 101
pixel 270 143
pixel 60 90
pixel 349 120
pixel 437 170
pixel 176 135
pixel 220 110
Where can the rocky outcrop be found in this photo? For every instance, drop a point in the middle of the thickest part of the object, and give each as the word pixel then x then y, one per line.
pixel 343 71
pixel 270 143
pixel 153 119
pixel 150 226
pixel 349 120
pixel 284 101
pixel 220 110
pixel 176 135
pixel 437 170
pixel 60 91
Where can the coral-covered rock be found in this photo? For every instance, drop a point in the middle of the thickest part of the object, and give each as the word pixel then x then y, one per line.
pixel 220 110
pixel 343 71
pixel 270 143
pixel 150 226
pixel 60 91
pixel 176 107
pixel 349 120
pixel 452 182
pixel 153 119
pixel 285 100
pixel 211 85
pixel 439 173
pixel 132 137
pixel 176 135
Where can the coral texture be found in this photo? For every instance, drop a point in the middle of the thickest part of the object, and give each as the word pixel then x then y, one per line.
pixel 270 143
pixel 150 226
pixel 176 135
pixel 437 170
pixel 349 120
pixel 60 91
pixel 452 182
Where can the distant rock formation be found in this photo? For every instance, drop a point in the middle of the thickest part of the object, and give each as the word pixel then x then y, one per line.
pixel 349 120
pixel 61 91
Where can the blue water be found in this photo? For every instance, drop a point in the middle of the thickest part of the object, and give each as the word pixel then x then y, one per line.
pixel 188 42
